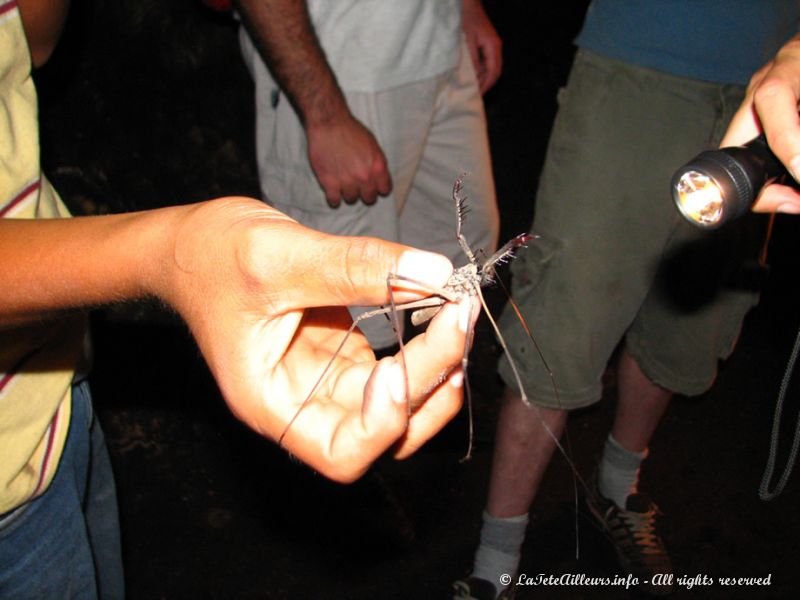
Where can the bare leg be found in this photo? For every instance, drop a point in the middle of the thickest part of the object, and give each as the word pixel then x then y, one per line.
pixel 640 406
pixel 626 515
pixel 523 449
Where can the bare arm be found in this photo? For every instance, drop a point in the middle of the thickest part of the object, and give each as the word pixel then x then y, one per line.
pixel 771 105
pixel 43 20
pixel 344 154
pixel 282 31
pixel 56 264
pixel 246 278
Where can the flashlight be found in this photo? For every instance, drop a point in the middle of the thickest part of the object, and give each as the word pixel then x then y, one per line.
pixel 718 186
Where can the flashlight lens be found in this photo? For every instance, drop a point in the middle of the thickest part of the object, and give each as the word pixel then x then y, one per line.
pixel 699 198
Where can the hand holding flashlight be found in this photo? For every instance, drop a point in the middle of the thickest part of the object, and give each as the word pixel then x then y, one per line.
pixel 771 105
pixel 718 186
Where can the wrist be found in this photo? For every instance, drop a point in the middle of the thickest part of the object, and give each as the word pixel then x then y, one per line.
pixel 471 7
pixel 153 239
pixel 328 110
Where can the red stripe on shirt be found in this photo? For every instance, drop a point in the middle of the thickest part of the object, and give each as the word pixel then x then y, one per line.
pixel 16 369
pixel 5 379
pixel 48 453
pixel 8 6
pixel 21 196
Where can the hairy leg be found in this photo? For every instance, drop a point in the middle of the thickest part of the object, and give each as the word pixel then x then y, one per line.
pixel 640 406
pixel 523 449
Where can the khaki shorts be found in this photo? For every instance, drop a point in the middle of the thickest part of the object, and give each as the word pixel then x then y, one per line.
pixel 615 260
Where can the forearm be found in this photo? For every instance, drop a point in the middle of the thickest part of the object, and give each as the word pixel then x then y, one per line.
pixel 50 265
pixel 283 34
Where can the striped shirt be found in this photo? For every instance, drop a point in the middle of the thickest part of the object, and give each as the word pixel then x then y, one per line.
pixel 36 361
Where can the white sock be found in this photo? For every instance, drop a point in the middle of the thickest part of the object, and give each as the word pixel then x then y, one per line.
pixel 618 475
pixel 499 551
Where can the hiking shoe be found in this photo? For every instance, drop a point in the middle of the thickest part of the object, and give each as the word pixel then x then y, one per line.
pixel 632 531
pixel 472 588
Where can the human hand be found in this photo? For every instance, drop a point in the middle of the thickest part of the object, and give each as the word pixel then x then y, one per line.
pixel 771 105
pixel 344 155
pixel 485 45
pixel 347 161
pixel 246 278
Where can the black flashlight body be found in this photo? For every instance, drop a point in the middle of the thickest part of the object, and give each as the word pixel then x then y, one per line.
pixel 740 172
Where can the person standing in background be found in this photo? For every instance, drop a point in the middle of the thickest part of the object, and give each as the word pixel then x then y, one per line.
pixel 366 113
pixel 652 84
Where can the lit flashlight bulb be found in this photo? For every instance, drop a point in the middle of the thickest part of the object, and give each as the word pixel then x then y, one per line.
pixel 699 198
pixel 718 186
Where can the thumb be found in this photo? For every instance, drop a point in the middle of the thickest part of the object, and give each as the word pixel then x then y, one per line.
pixel 330 270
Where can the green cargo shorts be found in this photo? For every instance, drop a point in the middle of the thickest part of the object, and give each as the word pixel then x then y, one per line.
pixel 614 260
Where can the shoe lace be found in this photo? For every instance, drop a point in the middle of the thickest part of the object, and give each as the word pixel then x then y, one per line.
pixel 643 527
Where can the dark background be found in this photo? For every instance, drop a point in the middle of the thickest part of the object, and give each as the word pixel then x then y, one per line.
pixel 147 103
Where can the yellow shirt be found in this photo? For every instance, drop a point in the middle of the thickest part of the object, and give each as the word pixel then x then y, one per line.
pixel 37 361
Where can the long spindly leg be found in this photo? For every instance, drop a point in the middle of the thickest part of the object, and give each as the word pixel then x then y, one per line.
pixel 502 256
pixel 566 452
pixel 427 306
pixel 518 381
pixel 539 352
pixel 394 312
pixel 441 296
pixel 461 212
pixel 467 387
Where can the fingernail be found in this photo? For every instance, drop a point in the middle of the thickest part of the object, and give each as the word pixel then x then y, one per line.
pixel 794 167
pixel 425 267
pixel 396 381
pixel 457 378
pixel 788 208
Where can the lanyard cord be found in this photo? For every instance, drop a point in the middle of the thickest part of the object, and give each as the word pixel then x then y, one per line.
pixel 763 490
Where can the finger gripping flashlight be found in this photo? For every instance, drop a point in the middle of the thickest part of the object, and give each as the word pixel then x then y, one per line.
pixel 718 186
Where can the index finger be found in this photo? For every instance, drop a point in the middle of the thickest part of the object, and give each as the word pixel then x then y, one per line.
pixel 775 102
